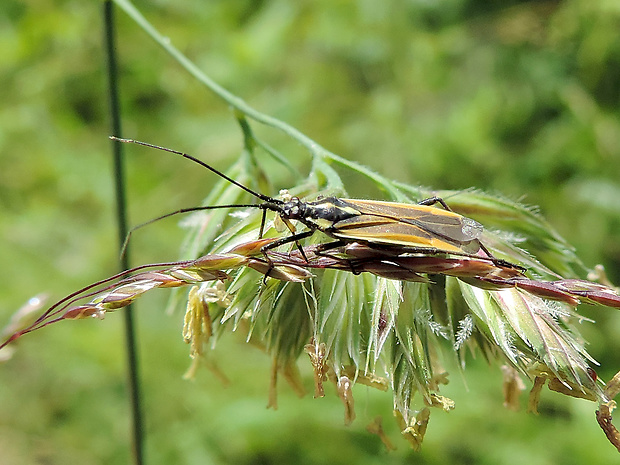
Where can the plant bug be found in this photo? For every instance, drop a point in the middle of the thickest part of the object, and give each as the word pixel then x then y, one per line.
pixel 418 228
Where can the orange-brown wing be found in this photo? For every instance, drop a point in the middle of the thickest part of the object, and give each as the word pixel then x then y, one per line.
pixel 413 226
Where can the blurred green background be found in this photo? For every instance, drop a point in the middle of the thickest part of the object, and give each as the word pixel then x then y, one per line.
pixel 519 98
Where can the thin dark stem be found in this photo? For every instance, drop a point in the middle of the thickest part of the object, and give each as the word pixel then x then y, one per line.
pixel 119 179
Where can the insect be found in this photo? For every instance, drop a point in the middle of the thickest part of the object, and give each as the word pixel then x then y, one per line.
pixel 398 227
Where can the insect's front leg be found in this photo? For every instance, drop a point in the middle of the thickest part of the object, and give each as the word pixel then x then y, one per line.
pixel 262 223
pixel 285 240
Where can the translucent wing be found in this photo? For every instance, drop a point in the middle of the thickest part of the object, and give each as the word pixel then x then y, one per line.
pixel 413 226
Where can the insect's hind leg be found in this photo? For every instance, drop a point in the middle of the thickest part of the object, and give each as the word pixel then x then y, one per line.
pixel 433 200
pixel 500 261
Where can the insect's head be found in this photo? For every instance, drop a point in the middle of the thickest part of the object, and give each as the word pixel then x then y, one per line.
pixel 294 209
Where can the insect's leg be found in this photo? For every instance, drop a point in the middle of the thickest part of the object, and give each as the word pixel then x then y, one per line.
pixel 291 228
pixel 329 246
pixel 499 261
pixel 433 200
pixel 285 240
pixel 489 256
pixel 322 248
pixel 486 251
pixel 293 237
pixel 262 224
pixel 350 263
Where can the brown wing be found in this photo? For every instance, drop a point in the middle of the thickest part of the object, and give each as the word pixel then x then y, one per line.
pixel 413 226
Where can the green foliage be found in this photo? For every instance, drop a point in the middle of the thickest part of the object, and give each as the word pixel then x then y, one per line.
pixel 519 99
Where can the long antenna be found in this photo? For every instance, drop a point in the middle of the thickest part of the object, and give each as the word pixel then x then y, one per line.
pixel 184 210
pixel 264 197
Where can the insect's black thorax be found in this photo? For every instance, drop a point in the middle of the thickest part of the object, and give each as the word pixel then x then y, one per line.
pixel 320 214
